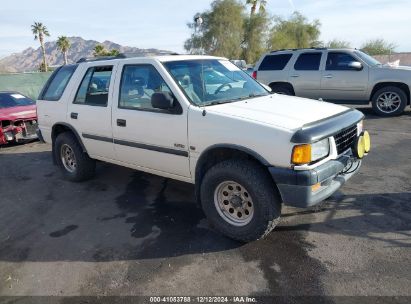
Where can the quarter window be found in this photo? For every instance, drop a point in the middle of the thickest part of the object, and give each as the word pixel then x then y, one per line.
pixel 274 62
pixel 94 87
pixel 57 83
pixel 339 62
pixel 308 62
pixel 138 84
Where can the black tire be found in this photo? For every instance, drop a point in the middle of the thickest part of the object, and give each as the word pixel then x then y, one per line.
pixel 281 89
pixel 256 180
pixel 387 90
pixel 85 166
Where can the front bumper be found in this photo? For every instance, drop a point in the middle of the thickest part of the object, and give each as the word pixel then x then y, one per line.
pixel 23 130
pixel 296 186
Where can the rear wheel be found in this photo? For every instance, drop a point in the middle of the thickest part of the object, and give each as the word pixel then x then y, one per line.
pixel 389 101
pixel 282 89
pixel 74 163
pixel 240 200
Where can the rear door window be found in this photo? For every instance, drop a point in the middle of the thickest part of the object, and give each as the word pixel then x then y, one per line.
pixel 57 83
pixel 274 62
pixel 308 62
pixel 94 87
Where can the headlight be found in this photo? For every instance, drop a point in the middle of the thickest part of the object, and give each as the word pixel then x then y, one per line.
pixel 308 153
pixel 360 127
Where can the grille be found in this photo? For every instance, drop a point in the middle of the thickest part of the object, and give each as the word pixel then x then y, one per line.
pixel 31 126
pixel 345 139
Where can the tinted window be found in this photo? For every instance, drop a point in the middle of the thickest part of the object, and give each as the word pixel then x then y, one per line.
pixel 94 87
pixel 57 83
pixel 274 62
pixel 9 100
pixel 339 61
pixel 308 62
pixel 138 84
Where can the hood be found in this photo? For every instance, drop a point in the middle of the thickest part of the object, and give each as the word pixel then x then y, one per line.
pixel 14 113
pixel 288 112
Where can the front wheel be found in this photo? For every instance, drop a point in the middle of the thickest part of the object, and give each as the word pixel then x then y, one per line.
pixel 240 200
pixel 389 101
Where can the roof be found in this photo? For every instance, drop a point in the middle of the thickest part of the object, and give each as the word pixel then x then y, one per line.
pixel 311 49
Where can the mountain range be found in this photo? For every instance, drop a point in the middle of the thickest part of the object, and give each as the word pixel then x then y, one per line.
pixel 30 59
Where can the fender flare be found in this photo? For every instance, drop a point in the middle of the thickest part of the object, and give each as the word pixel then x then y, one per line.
pixel 72 129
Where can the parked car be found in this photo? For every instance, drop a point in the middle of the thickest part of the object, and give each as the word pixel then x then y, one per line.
pixel 337 75
pixel 202 120
pixel 18 118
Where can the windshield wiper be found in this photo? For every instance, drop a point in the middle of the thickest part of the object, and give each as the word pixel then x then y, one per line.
pixel 217 102
pixel 252 95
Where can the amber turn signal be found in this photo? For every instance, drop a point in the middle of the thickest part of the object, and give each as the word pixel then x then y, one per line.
pixel 301 154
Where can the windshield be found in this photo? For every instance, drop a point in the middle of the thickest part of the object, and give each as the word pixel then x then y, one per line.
pixel 371 61
pixel 9 100
pixel 212 81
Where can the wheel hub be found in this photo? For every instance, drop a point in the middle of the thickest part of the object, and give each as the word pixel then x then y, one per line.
pixel 388 102
pixel 68 158
pixel 234 203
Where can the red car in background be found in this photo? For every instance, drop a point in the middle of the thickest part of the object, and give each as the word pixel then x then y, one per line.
pixel 18 118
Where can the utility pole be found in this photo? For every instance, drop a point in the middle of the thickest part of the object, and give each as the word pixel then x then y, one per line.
pixel 198 21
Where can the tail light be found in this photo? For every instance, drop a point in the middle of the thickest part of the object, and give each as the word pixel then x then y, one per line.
pixel 254 75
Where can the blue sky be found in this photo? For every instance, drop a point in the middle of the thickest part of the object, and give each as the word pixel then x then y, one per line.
pixel 162 24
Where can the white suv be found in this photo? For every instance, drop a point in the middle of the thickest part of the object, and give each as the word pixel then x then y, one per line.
pixel 202 120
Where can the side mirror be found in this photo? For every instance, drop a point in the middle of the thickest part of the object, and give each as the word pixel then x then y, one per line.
pixel 355 65
pixel 162 100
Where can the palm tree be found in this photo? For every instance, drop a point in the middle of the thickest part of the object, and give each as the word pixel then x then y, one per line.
pixel 39 30
pixel 254 3
pixel 63 44
pixel 99 50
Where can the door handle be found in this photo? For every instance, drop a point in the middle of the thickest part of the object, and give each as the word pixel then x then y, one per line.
pixel 121 122
pixel 295 75
pixel 73 115
pixel 328 76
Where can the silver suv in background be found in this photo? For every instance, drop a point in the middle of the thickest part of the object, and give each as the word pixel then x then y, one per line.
pixel 336 75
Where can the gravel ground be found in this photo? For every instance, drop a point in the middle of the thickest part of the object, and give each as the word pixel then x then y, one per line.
pixel 131 233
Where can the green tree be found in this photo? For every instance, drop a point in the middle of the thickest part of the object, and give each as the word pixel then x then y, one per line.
pixel 378 47
pixel 338 44
pixel 222 31
pixel 40 31
pixel 295 32
pixel 255 32
pixel 63 44
pixel 254 4
pixel 100 50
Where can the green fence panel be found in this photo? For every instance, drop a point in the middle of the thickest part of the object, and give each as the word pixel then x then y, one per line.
pixel 29 84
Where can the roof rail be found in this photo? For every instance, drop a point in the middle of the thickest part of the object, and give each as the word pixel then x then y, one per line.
pixel 297 49
pixel 124 55
pixel 133 55
pixel 91 59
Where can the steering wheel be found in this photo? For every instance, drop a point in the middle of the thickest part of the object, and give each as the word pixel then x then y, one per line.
pixel 227 84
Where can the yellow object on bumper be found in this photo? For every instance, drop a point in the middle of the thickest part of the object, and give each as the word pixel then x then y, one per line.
pixel 362 145
pixel 367 141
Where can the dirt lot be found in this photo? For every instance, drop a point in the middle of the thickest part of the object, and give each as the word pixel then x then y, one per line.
pixel 130 233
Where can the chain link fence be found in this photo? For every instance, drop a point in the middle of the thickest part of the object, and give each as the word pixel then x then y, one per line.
pixel 29 84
